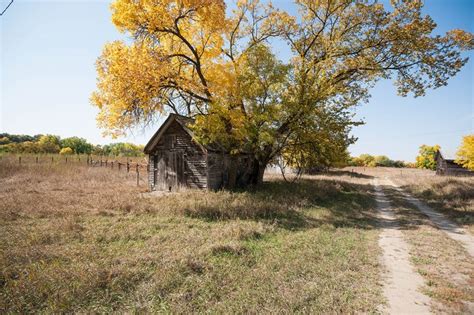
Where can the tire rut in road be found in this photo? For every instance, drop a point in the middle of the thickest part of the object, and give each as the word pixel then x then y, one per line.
pixel 402 282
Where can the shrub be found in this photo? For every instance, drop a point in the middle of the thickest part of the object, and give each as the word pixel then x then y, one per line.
pixel 49 143
pixel 66 151
pixel 427 157
pixel 78 145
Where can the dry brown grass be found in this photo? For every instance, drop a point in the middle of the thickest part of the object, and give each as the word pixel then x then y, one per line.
pixel 47 158
pixel 447 268
pixel 79 239
pixel 454 196
pixel 444 263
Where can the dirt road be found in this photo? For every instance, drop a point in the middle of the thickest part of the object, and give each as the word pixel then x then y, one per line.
pixel 402 282
pixel 423 252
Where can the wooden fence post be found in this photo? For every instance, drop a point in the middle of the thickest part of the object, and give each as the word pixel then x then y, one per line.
pixel 128 167
pixel 112 164
pixel 52 159
pixel 138 176
pixel 66 159
pixel 19 159
pixel 36 160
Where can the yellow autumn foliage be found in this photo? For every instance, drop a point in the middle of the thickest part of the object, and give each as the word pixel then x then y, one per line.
pixel 66 151
pixel 465 153
pixel 199 59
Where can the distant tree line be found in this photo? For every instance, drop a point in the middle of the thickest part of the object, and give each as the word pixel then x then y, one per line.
pixel 73 145
pixel 426 158
pixel 375 161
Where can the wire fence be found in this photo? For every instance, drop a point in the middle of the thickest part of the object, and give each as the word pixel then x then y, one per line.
pixel 114 163
pixel 128 166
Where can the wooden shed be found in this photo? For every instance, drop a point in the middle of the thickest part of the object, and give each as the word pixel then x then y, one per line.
pixel 176 160
pixel 445 165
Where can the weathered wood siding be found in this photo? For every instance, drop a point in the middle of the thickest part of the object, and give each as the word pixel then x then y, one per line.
pixel 151 172
pixel 215 170
pixel 450 168
pixel 177 161
pixel 226 171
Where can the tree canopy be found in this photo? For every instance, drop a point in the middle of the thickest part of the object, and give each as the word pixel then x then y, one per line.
pixel 191 58
pixel 49 143
pixel 465 153
pixel 426 158
pixel 77 145
pixel 374 161
pixel 73 145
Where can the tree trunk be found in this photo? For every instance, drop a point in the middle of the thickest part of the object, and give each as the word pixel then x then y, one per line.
pixel 249 174
pixel 258 170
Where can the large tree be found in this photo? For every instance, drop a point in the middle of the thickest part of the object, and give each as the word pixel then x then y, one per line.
pixel 465 153
pixel 192 58
pixel 426 158
pixel 78 145
pixel 48 143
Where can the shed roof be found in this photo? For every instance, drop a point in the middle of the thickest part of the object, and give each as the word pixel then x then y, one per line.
pixel 448 156
pixel 183 121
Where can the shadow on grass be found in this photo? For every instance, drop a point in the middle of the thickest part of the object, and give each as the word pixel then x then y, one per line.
pixel 306 204
pixel 294 206
pixel 336 173
pixel 397 203
pixel 410 217
pixel 452 197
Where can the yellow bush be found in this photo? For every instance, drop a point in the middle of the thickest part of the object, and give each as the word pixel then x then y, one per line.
pixel 66 151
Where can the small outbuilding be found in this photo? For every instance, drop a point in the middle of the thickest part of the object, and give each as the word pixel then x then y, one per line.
pixel 445 165
pixel 177 160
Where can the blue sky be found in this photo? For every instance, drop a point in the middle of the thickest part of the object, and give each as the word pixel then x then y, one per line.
pixel 48 50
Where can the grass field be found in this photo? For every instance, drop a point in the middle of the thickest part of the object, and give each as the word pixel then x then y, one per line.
pixel 444 263
pixel 446 267
pixel 453 196
pixel 86 239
